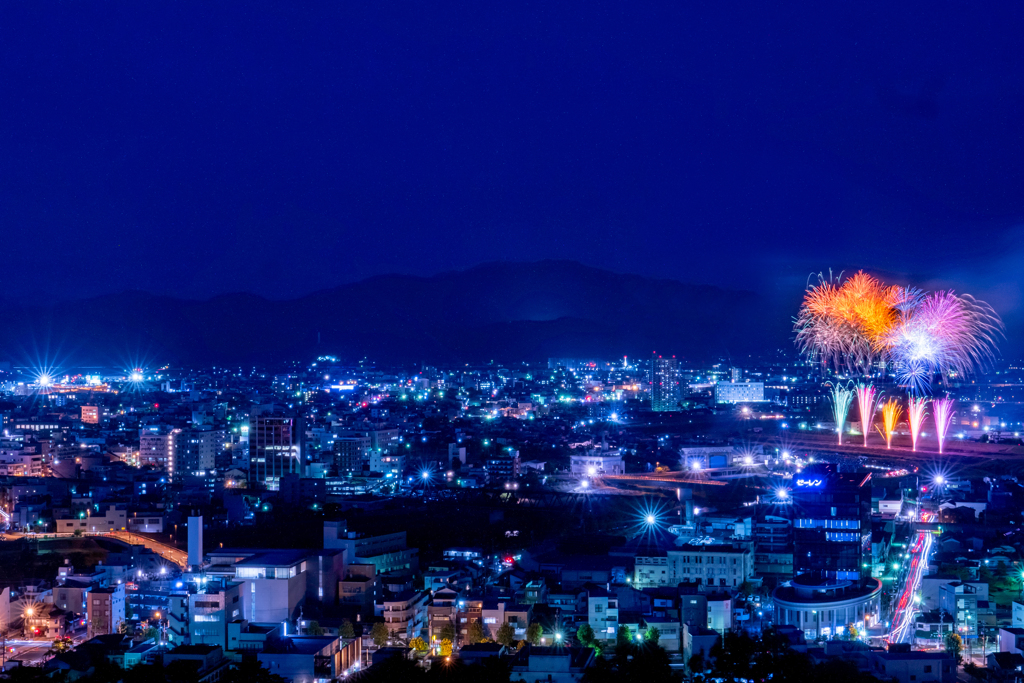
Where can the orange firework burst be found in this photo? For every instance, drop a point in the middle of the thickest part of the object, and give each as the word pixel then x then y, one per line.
pixel 891 412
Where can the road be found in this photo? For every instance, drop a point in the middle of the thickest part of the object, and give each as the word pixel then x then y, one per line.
pixel 169 553
pixel 902 629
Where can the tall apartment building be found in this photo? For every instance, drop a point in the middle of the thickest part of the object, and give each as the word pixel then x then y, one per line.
pixel 195 451
pixel 156 448
pixel 350 454
pixel 665 388
pixel 105 610
pixel 275 449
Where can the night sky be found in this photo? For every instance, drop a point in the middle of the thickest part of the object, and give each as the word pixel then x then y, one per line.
pixel 279 148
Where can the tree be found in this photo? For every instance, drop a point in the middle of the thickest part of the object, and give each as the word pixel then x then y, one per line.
pixel 347 629
pixel 446 647
pixel 475 633
pixel 955 647
pixel 534 632
pixel 60 645
pixel 380 634
pixel 851 632
pixel 78 533
pixel 246 671
pixel 506 634
pixel 419 645
pixel 652 635
pixel 624 636
pixel 585 634
pixel 447 633
pixel 696 664
pixel 313 628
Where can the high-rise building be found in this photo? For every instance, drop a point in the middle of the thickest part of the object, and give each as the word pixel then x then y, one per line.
pixel 350 454
pixel 665 389
pixel 196 450
pixel 275 449
pixel 832 524
pixel 831 585
pixel 156 447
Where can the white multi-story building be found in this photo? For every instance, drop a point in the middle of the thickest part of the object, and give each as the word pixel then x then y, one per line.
pixel 597 462
pixel 739 392
pixel 112 519
pixel 405 613
pixel 709 566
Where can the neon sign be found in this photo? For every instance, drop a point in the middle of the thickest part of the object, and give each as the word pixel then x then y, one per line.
pixel 810 482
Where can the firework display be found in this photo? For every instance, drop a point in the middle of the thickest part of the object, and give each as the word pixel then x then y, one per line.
pixel 891 411
pixel 942 410
pixel 851 324
pixel 841 398
pixel 915 417
pixel 866 402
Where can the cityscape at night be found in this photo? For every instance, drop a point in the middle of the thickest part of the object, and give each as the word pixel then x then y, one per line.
pixel 561 343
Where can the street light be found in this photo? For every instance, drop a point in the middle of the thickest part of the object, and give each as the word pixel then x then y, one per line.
pixel 651 519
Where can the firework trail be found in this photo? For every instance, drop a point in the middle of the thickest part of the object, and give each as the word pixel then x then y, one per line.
pixel 841 398
pixel 866 402
pixel 850 324
pixel 915 416
pixel 942 411
pixel 891 412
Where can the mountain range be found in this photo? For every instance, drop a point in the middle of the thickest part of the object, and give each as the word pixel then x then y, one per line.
pixel 497 311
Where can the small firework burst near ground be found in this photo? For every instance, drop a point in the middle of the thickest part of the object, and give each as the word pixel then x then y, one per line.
pixel 942 411
pixel 842 396
pixel 866 399
pixel 915 417
pixel 891 412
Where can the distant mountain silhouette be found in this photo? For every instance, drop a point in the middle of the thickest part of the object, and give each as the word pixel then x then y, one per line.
pixel 495 311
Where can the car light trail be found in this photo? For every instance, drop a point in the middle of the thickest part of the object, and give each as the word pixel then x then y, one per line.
pixel 903 612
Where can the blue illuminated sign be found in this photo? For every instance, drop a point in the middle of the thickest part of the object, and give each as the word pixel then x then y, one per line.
pixel 804 483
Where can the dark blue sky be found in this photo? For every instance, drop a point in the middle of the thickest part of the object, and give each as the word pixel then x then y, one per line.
pixel 198 148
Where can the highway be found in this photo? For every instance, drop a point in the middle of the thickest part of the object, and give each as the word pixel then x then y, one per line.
pixel 903 610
